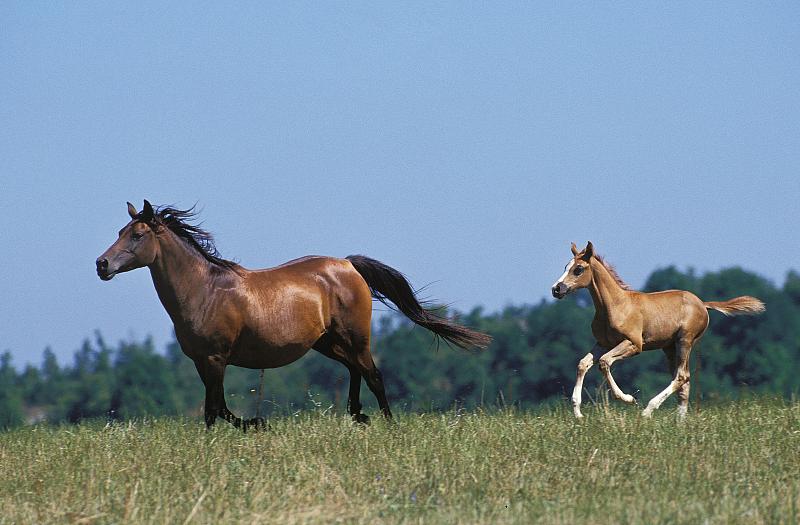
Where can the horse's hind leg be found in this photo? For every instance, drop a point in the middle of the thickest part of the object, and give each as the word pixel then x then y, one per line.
pixel 680 379
pixel 371 374
pixel 354 396
pixel 352 331
pixel 622 351
pixel 335 352
pixel 374 380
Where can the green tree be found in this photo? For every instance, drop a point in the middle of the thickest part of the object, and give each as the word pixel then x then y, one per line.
pixel 144 383
pixel 531 360
pixel 92 378
pixel 11 413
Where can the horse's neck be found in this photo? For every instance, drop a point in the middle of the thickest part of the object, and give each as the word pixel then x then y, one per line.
pixel 607 294
pixel 182 277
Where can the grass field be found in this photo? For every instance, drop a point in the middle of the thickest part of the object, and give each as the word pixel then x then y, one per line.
pixel 732 463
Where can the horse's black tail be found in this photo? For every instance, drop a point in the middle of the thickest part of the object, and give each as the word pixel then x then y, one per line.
pixel 387 284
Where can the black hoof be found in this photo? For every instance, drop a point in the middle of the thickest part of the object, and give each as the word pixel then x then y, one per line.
pixel 255 424
pixel 361 419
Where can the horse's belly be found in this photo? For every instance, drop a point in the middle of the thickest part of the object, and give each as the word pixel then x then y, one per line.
pixel 267 357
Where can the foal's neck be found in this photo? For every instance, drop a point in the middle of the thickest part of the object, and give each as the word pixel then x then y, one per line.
pixel 606 291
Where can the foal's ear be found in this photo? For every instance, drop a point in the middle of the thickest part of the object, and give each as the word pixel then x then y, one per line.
pixel 147 212
pixel 574 249
pixel 588 251
pixel 132 211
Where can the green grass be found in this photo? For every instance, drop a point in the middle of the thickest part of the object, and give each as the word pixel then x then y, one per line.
pixel 732 463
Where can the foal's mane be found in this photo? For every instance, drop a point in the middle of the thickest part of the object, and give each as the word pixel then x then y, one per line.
pixel 611 270
pixel 178 222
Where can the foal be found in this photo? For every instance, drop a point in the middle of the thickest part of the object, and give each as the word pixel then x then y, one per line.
pixel 627 322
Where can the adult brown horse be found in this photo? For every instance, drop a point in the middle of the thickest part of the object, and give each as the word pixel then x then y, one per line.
pixel 627 322
pixel 225 314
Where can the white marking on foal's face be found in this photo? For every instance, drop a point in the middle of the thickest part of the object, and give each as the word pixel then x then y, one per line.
pixel 569 266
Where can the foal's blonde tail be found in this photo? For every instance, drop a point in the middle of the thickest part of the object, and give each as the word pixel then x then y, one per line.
pixel 744 305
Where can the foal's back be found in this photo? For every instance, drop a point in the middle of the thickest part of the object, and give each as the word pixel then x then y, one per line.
pixel 670 315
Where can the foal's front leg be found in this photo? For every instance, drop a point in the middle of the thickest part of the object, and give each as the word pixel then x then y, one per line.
pixel 622 351
pixel 583 366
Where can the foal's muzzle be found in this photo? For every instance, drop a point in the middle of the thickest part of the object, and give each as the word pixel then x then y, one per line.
pixel 560 290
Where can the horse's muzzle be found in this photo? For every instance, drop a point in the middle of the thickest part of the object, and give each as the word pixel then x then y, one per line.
pixel 102 269
pixel 560 290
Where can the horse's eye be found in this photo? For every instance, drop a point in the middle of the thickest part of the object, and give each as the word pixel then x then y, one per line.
pixel 136 236
pixel 578 270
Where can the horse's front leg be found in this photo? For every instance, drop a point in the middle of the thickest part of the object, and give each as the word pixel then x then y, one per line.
pixel 623 350
pixel 583 366
pixel 212 372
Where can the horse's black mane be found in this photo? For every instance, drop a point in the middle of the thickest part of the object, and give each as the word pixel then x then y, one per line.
pixel 199 239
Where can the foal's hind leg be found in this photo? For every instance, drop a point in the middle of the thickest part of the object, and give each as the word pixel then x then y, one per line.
pixel 683 400
pixel 683 392
pixel 622 351
pixel 680 377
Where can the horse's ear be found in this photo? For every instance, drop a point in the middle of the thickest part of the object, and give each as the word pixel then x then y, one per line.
pixel 132 211
pixel 588 251
pixel 574 249
pixel 148 214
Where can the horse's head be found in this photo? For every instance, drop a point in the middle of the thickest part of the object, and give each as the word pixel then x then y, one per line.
pixel 137 245
pixel 577 273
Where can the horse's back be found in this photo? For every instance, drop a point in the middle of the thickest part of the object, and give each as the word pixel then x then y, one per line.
pixel 327 273
pixel 304 262
pixel 308 265
pixel 287 308
pixel 327 283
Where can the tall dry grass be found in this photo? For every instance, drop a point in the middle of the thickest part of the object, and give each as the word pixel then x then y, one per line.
pixel 733 463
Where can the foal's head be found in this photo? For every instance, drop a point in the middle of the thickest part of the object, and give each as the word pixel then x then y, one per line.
pixel 137 245
pixel 577 273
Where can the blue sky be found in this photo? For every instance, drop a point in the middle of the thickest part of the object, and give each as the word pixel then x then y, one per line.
pixel 466 144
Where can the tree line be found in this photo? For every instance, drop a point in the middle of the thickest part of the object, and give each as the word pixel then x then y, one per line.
pixel 531 360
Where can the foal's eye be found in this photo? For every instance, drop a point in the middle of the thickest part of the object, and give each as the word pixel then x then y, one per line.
pixel 578 270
